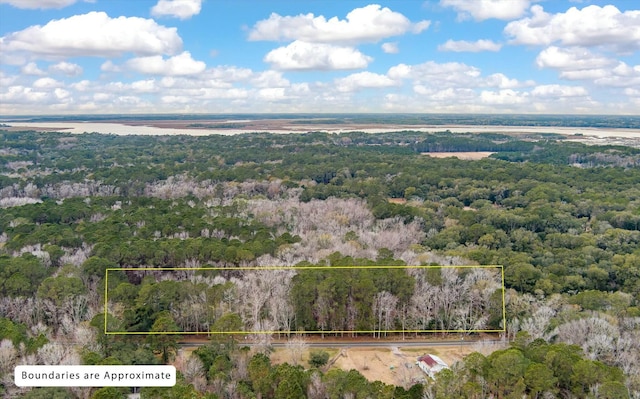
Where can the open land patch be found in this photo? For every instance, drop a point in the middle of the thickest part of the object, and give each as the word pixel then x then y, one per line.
pixel 470 156
pixel 391 365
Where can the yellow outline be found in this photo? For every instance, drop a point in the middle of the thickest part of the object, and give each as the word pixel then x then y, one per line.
pixel 106 301
pixel 504 303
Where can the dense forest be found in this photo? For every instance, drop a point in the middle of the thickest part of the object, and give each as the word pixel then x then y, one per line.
pixel 562 218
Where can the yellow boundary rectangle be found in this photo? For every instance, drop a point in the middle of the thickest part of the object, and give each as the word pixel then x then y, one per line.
pixel 106 300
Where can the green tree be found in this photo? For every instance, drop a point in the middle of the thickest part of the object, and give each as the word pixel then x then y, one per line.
pixel 318 358
pixel 613 390
pixel 290 382
pixel 58 289
pixel 181 390
pixel 162 338
pixel 522 276
pixel 109 393
pixel 539 379
pixel 507 369
pixel 229 322
pixel 48 393
pixel 260 375
pixel 96 266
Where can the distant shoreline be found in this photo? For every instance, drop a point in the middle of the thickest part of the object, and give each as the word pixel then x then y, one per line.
pixel 287 126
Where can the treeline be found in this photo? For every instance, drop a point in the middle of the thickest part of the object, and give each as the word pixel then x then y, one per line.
pixel 371 300
pixel 450 142
pixel 127 164
pixel 599 121
pixel 380 300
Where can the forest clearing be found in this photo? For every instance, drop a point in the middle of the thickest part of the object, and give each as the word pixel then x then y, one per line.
pixel 394 365
pixel 467 155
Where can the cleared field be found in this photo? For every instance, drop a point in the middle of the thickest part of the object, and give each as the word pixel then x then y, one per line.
pixel 471 156
pixel 391 365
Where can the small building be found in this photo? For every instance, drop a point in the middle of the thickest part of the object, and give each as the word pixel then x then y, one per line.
pixel 431 364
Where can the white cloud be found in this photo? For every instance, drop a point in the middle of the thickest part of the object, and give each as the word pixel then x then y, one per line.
pixel 128 100
pixel 572 59
pixel 363 80
pixel 182 9
pixel 487 9
pixel 102 96
pixel 433 74
pixel 390 48
pixel 301 55
pixel 46 83
pixel 93 34
pixel 176 99
pixel 459 95
pixel 418 27
pixel 22 95
pixel 623 75
pixel 472 47
pixel 501 81
pixel 503 97
pixel 109 66
pixel 557 91
pixel 269 79
pixel 371 23
pixel 83 85
pixel 228 73
pixel 272 93
pixel 585 74
pixel 590 26
pixel 577 63
pixel 32 69
pixel 215 93
pixel 181 64
pixel 560 98
pixel 62 94
pixel 66 68
pixel 6 80
pixel 144 86
pixel 41 4
pixel 632 92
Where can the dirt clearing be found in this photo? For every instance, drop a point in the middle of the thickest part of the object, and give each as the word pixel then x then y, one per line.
pixel 390 364
pixel 468 156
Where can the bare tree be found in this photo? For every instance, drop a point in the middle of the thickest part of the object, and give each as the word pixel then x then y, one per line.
pixel 8 356
pixel 280 308
pixel 595 335
pixel 296 347
pixel 263 337
pixel 321 313
pixel 192 368
pixel 316 388
pixel 384 308
pixel 54 353
pixel 538 323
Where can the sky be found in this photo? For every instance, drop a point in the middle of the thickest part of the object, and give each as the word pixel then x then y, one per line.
pixel 259 56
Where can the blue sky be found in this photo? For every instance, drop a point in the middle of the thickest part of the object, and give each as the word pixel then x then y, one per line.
pixel 214 56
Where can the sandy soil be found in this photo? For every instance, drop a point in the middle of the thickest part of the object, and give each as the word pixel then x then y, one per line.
pixel 391 365
pixel 472 156
pixel 397 200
